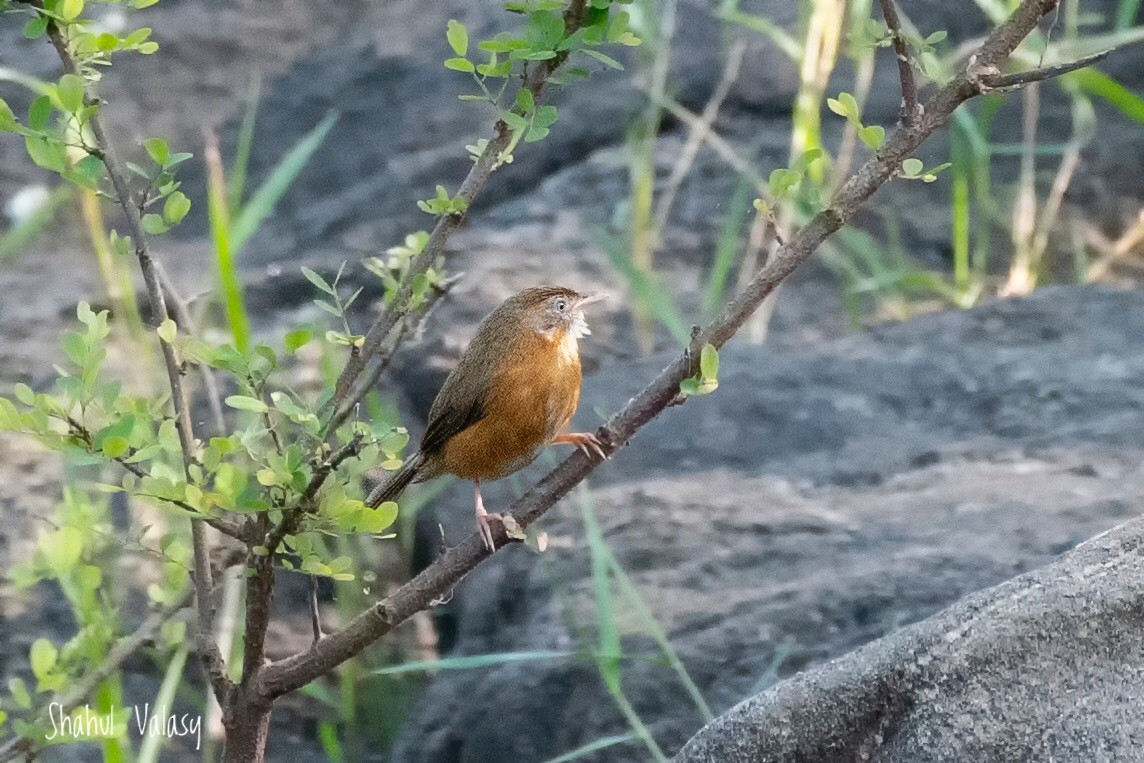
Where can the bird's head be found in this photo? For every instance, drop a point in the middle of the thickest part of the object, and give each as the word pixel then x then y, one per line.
pixel 555 311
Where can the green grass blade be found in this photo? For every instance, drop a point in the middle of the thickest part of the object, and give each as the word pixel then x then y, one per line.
pixel 632 594
pixel 230 284
pixel 727 248
pixel 638 727
pixel 470 662
pixel 1096 82
pixel 328 736
pixel 1126 13
pixel 602 743
pixel 262 201
pixel 608 660
pixel 152 744
pixel 242 150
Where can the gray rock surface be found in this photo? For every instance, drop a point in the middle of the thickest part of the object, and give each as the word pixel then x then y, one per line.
pixel 1049 666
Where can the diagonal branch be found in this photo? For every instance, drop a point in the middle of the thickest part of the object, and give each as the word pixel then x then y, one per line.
pixel 910 103
pixel 440 577
pixel 208 649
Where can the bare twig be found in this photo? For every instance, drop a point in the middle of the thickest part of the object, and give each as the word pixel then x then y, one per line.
pixel 991 81
pixel 440 577
pixel 183 317
pixel 910 103
pixel 82 689
pixel 409 326
pixel 698 132
pixel 208 649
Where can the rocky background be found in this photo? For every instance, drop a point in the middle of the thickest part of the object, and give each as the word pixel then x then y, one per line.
pixel 837 487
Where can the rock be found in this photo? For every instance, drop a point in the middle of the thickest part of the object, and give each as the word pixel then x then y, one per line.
pixel 1048 666
pixel 820 499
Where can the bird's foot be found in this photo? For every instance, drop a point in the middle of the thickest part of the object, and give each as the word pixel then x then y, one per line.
pixel 585 441
pixel 485 528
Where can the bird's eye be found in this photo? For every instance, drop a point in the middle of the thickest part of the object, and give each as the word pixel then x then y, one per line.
pixel 561 305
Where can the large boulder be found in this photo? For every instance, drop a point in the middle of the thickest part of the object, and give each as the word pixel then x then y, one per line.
pixel 1048 666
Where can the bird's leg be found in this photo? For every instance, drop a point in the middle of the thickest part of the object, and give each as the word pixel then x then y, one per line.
pixel 585 441
pixel 483 524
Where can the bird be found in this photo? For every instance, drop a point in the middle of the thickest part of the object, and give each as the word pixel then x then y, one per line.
pixel 513 393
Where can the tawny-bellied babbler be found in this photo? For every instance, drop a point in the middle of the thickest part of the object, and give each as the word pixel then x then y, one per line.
pixel 512 393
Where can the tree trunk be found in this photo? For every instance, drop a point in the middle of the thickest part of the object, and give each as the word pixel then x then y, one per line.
pixel 247 724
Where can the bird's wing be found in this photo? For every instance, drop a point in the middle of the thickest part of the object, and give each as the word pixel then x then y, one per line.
pixel 450 415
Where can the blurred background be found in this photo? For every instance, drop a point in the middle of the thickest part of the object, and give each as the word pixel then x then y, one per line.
pixel 856 470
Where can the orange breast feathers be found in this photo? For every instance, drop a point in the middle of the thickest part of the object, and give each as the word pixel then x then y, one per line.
pixel 531 399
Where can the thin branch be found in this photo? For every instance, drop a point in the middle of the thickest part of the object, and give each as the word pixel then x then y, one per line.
pixel 82 689
pixel 440 577
pixel 910 103
pixel 346 394
pixel 222 524
pixel 698 133
pixel 991 82
pixel 409 326
pixel 183 317
pixel 208 649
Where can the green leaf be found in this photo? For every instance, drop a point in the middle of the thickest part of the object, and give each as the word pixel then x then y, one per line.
pixel 62 549
pixel 936 37
pixel 318 281
pixel 709 362
pixel 70 92
pixel 71 9
pixel 525 101
pixel 42 657
pixel 8 121
pixel 244 403
pixel 24 394
pixel 911 167
pixel 606 60
pixel 115 446
pixel 154 224
pixel 176 207
pixel 158 150
pixel 458 37
pixel 460 65
pixel 46 153
pixel 375 520
pixel 106 42
pixel 873 136
pixel 19 691
pixel 40 112
pixel 167 331
pixel 297 338
pixel 36 27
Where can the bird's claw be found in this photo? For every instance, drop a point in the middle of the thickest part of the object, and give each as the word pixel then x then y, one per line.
pixel 485 529
pixel 586 442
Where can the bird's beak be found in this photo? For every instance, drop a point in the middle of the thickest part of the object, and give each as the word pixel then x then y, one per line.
pixel 588 299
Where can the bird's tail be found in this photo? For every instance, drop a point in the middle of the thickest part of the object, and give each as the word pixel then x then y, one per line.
pixel 389 488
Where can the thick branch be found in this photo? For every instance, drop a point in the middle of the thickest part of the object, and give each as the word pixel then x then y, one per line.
pixel 440 577
pixel 208 649
pixel 905 67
